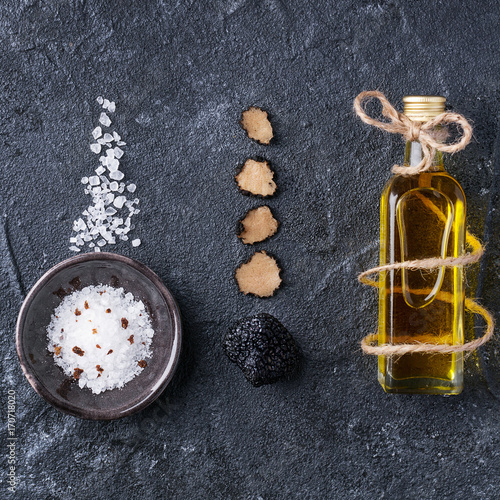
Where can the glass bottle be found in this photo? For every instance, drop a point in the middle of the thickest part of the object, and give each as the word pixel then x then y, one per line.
pixel 422 216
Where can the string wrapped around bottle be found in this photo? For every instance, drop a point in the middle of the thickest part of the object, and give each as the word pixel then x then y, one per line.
pixel 431 138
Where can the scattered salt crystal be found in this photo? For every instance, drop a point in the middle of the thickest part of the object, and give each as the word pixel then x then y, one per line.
pixel 113 164
pixel 104 119
pixel 101 224
pixel 136 242
pixel 100 100
pixel 74 249
pixel 97 132
pixel 117 175
pixel 118 152
pixel 97 249
pixel 119 201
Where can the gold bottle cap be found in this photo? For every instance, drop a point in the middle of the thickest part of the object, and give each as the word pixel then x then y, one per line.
pixel 421 108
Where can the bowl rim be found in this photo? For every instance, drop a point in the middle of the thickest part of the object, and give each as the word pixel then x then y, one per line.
pixel 163 381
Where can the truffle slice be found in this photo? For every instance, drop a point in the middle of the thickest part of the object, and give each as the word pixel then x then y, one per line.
pixel 259 276
pixel 257 125
pixel 263 349
pixel 256 177
pixel 258 225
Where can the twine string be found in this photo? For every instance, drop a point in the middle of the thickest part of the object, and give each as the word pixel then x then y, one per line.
pixel 431 138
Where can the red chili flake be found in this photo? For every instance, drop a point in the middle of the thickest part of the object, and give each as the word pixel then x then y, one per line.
pixel 98 375
pixel 77 373
pixel 78 351
pixel 77 312
pixel 99 369
pixel 100 293
pixel 62 330
pixel 142 363
pixel 86 305
pixel 131 339
pixel 57 349
pixel 124 323
pixel 143 343
pixel 94 330
pixel 98 346
pixel 110 351
pixel 108 310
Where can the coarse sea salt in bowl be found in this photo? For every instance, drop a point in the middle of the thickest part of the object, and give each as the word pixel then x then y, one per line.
pixel 74 274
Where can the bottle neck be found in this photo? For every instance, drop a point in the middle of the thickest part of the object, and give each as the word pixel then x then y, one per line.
pixel 413 156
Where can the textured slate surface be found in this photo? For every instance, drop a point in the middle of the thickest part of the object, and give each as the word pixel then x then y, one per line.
pixel 181 73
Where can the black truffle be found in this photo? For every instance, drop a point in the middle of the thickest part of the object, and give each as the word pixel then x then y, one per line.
pixel 263 349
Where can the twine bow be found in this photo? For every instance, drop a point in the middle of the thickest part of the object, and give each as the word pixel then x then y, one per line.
pixel 430 140
pixel 426 133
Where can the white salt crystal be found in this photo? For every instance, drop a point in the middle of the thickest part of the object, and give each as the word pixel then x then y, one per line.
pixel 101 141
pixel 74 249
pixel 113 165
pixel 136 242
pixel 104 119
pixel 119 201
pixel 121 143
pixel 105 104
pixel 117 175
pixel 101 242
pixel 97 249
pixel 110 152
pixel 97 132
pixel 118 152
pixel 110 211
pixel 94 180
pixel 112 107
pixel 96 148
pixel 131 188
pixel 116 136
pixel 100 170
pixel 91 245
pixel 72 239
pixel 108 137
pixel 84 180
pixel 100 100
pixel 121 189
pixel 124 237
pixel 114 186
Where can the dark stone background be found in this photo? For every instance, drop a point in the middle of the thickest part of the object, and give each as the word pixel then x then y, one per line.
pixel 181 73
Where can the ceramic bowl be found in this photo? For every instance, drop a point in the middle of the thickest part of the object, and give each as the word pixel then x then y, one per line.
pixel 48 379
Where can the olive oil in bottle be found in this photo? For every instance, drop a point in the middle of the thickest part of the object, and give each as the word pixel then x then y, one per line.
pixel 422 216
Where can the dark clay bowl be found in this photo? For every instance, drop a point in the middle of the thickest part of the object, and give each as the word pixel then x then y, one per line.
pixel 49 380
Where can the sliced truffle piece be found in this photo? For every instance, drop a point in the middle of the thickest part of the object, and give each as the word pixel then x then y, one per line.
pixel 257 125
pixel 259 276
pixel 263 349
pixel 256 177
pixel 258 225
